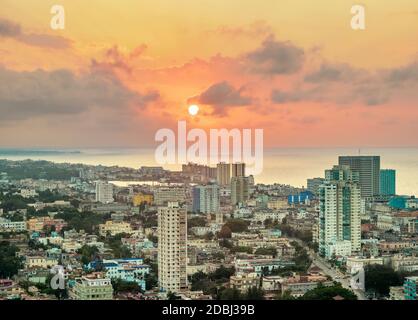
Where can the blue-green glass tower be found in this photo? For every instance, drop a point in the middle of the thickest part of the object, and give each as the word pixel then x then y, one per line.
pixel 387 182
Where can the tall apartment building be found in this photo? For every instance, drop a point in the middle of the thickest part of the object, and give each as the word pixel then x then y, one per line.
pixel 206 199
pixel 104 192
pixel 172 247
pixel 368 168
pixel 339 215
pixel 238 169
pixel 313 184
pixel 239 190
pixel 163 195
pixel 223 173
pixel 387 182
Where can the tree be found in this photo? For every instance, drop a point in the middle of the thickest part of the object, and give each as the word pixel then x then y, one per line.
pixel 254 293
pixel 379 278
pixel 151 281
pixel 225 232
pixel 196 222
pixel 120 285
pixel 88 253
pixel 9 263
pixel 237 225
pixel 230 294
pixel 329 293
pixel 270 251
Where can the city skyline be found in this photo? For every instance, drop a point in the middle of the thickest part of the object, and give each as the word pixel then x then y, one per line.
pixel 270 68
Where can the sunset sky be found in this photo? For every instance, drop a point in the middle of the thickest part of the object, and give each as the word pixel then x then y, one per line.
pixel 121 70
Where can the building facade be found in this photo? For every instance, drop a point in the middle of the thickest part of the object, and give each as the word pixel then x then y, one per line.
pixel 387 182
pixel 239 190
pixel 206 199
pixel 104 192
pixel 172 248
pixel 339 212
pixel 223 173
pixel 368 168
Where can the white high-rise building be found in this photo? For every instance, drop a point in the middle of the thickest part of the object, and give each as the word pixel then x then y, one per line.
pixel 340 213
pixel 172 248
pixel 104 192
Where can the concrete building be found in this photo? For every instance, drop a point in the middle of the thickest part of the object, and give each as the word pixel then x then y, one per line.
pixel 92 287
pixel 368 168
pixel 164 195
pixel 104 192
pixel 223 173
pixel 238 169
pixel 410 288
pixel 172 248
pixel 239 190
pixel 206 199
pixel 114 228
pixel 130 269
pixel 313 184
pixel 387 182
pixel 139 198
pixel 244 282
pixel 339 212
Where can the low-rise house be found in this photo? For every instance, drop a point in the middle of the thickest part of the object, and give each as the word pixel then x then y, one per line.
pixel 129 269
pixel 92 287
pixel 243 282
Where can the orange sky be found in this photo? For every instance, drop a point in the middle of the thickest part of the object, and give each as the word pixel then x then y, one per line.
pixel 120 70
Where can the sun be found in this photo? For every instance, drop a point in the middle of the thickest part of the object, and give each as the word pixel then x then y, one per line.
pixel 193 109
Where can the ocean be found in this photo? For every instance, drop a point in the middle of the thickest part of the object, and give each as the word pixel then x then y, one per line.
pixel 281 165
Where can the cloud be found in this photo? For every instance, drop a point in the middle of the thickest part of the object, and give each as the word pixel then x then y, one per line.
pixel 403 74
pixel 333 72
pixel 275 58
pixel 10 29
pixel 115 59
pixel 222 95
pixel 39 93
pixel 280 97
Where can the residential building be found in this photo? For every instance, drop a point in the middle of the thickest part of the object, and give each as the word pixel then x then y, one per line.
pixel 239 190
pixel 368 168
pixel 129 269
pixel 410 288
pixel 244 282
pixel 163 195
pixel 223 174
pixel 387 182
pixel 113 228
pixel 104 192
pixel 238 169
pixel 313 184
pixel 206 199
pixel 92 287
pixel 172 247
pixel 339 214
pixel 140 198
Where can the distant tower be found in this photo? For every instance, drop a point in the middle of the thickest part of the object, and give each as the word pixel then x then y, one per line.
pixel 238 169
pixel 223 174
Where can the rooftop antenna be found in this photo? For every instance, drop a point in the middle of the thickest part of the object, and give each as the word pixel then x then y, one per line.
pixel 359 151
